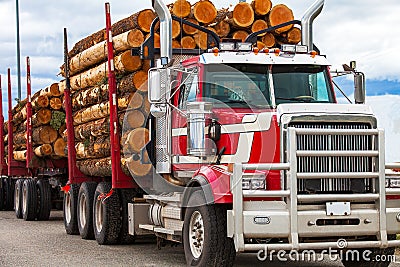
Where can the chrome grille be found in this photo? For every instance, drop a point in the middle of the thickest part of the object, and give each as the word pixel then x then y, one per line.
pixel 334 163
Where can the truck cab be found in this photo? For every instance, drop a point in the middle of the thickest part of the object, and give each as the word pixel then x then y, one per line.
pixel 259 155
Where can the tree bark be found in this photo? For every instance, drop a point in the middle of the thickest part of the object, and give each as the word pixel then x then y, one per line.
pixel 92 129
pixel 123 63
pixel 98 53
pixel 94 149
pixel 19 138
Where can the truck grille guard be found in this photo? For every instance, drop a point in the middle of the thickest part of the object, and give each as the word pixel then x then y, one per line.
pixel 375 172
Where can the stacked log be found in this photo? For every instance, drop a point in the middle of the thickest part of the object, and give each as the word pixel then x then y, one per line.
pixel 48 117
pixel 88 70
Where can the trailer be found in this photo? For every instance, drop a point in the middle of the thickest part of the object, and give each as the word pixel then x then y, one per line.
pixel 30 187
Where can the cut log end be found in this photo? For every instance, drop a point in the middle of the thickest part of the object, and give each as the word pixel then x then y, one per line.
pixel 135 38
pixel 187 42
pixel 280 14
pixel 181 8
pixel 140 81
pixel 243 15
pixel 176 29
pixel 188 29
pixel 269 40
pixel 293 36
pixel 261 7
pixel 55 103
pixel 130 63
pixel 222 28
pixel 259 25
pixel 204 12
pixel 145 18
pixel 240 35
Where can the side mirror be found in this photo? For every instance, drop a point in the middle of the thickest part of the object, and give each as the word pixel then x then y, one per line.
pixel 154 87
pixel 359 88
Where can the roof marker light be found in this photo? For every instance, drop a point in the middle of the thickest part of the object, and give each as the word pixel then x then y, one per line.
pixel 313 53
pixel 215 50
pixel 256 50
pixel 277 51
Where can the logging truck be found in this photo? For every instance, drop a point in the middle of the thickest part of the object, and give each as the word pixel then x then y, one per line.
pixel 32 160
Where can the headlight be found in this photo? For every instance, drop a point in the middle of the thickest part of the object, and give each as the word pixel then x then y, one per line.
pixel 254 182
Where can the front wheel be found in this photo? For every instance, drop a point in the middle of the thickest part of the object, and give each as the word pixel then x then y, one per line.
pixel 204 234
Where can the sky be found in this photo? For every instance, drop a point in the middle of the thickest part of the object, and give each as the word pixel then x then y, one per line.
pixel 360 30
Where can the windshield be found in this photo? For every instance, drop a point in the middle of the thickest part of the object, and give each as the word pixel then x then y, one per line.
pixel 237 85
pixel 301 83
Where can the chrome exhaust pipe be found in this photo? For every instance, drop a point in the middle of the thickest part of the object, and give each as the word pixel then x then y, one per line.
pixel 165 30
pixel 307 23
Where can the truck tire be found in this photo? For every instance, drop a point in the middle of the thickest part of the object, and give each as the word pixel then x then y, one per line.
pixel 1 194
pixel 8 194
pixel 372 256
pixel 126 196
pixel 44 200
pixel 85 209
pixel 69 210
pixel 106 215
pixel 29 200
pixel 205 238
pixel 18 198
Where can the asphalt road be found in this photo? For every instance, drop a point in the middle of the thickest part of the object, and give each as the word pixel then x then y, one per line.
pixel 46 244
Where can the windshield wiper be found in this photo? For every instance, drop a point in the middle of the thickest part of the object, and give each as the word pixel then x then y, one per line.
pixel 304 100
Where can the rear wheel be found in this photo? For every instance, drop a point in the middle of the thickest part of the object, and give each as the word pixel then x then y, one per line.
pixel 29 200
pixel 69 210
pixel 106 215
pixel 85 209
pixel 18 198
pixel 44 200
pixel 204 234
pixel 1 194
pixel 8 194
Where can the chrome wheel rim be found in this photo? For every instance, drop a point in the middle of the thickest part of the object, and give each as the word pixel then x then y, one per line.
pixel 99 215
pixel 82 210
pixel 196 234
pixel 68 213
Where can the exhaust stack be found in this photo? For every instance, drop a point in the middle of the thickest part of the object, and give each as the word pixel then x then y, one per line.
pixel 307 23
pixel 165 30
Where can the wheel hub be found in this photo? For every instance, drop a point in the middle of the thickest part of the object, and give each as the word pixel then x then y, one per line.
pixel 196 234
